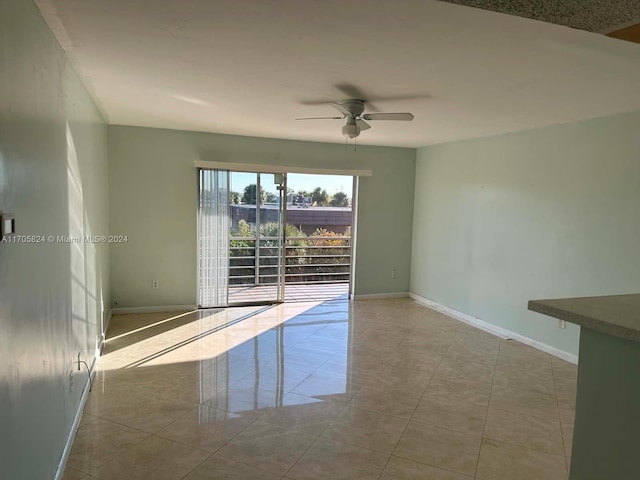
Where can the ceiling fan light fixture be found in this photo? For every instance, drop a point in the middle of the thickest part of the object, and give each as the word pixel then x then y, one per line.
pixel 351 129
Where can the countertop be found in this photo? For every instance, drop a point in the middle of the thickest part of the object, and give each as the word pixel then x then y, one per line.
pixel 616 315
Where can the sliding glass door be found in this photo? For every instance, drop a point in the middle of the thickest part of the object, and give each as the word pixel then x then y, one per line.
pixel 241 220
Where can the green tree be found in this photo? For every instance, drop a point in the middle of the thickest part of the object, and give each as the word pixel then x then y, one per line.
pixel 333 260
pixel 320 197
pixel 295 238
pixel 340 199
pixel 271 230
pixel 271 197
pixel 242 251
pixel 242 230
pixel 234 198
pixel 249 195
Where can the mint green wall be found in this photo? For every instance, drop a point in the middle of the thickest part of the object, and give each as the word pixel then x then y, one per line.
pixel 53 177
pixel 551 212
pixel 152 183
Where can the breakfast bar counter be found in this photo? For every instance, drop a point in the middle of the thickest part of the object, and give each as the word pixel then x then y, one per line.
pixel 606 442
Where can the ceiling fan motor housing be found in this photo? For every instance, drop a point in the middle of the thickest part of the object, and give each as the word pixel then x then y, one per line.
pixel 354 105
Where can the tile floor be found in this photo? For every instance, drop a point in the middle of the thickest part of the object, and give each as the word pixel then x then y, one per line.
pixel 377 389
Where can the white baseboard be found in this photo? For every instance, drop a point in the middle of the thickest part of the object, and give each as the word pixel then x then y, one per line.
pixel 374 296
pixel 155 309
pixel 76 420
pixel 107 319
pixel 494 329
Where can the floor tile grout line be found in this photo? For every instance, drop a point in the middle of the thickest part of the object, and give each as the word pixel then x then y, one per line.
pixel 380 413
pixel 241 463
pixel 195 467
pixel 487 413
pixel 404 429
pixel 484 427
pixel 527 447
pixel 306 450
pixel 522 446
pixel 344 443
pixel 121 453
pixel 525 414
pixel 419 400
pixel 126 425
pixel 200 448
pixel 433 466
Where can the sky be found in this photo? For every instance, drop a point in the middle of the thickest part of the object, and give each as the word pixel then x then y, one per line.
pixel 296 181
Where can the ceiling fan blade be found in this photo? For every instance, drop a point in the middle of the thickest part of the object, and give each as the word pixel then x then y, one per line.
pixel 363 125
pixel 351 91
pixel 388 116
pixel 320 118
pixel 316 102
pixel 395 98
pixel 340 108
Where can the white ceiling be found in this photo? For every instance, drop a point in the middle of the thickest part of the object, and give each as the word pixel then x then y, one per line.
pixel 248 67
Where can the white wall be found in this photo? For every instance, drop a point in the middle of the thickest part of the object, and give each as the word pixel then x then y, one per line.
pixel 153 185
pixel 551 212
pixel 53 177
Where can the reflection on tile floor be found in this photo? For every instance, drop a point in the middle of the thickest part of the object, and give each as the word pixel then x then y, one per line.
pixel 376 389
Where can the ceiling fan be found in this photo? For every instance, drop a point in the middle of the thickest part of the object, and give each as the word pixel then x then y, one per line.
pixel 352 110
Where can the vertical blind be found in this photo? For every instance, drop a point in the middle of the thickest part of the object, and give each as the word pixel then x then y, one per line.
pixel 213 237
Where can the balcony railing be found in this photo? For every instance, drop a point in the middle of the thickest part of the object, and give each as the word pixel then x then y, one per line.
pixel 308 260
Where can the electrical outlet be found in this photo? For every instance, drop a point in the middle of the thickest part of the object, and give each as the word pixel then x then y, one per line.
pixel 154 284
pixel 562 324
pixel 393 273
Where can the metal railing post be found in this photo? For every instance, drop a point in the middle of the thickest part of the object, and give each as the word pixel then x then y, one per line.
pixel 257 244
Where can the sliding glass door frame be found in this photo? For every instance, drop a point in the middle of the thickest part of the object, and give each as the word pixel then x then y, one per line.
pixel 282 189
pixel 274 170
pixel 214 239
pixel 280 238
